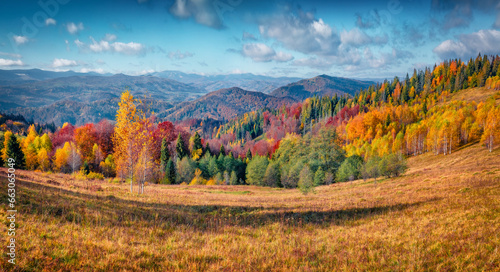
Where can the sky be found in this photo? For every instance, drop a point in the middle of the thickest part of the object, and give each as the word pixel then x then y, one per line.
pixel 357 39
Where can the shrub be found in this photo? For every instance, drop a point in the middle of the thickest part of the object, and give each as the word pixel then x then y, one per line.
pixel 272 176
pixel 319 177
pixel 306 180
pixel 94 175
pixel 256 170
pixel 350 169
pixel 393 165
pixel 198 179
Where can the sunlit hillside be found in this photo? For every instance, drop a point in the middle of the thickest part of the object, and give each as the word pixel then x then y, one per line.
pixel 442 215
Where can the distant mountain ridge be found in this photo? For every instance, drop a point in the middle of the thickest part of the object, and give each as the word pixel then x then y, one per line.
pixel 246 81
pixel 321 85
pixel 46 96
pixel 94 88
pixel 225 104
pixel 14 77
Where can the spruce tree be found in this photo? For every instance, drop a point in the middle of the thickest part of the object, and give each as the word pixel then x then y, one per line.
pixel 86 168
pixel 180 148
pixel 319 177
pixel 222 150
pixel 207 149
pixel 169 172
pixel 164 156
pixel 197 142
pixel 14 151
pixel 249 154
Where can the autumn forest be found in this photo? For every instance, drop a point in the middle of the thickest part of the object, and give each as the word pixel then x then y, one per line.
pixel 321 140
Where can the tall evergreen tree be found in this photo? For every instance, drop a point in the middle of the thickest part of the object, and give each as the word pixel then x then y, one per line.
pixel 207 149
pixel 164 155
pixel 180 148
pixel 14 151
pixel 197 142
pixel 169 172
pixel 222 150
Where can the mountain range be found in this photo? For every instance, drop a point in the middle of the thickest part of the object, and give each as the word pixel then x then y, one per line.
pixel 45 96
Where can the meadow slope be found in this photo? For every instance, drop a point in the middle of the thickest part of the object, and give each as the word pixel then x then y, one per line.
pixel 442 215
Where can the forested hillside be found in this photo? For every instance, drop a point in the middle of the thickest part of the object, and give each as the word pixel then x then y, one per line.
pixel 322 85
pixel 318 141
pixel 226 104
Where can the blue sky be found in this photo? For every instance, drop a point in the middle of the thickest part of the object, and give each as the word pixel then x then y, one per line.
pixel 360 39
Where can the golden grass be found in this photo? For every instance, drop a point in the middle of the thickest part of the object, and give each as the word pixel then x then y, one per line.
pixel 479 94
pixel 443 215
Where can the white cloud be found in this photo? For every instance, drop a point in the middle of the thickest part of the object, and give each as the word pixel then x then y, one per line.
pixel 131 48
pixel 178 55
pixel 110 37
pixel 88 70
pixel 9 62
pixel 145 71
pixel 496 24
pixel 355 59
pixel 74 28
pixel 50 21
pixel 237 72
pixel 12 55
pixel 469 45
pixel 20 39
pixel 314 62
pixel 63 63
pixel 260 52
pixel 356 37
pixel 321 28
pixel 301 31
pixel 248 36
pixel 203 11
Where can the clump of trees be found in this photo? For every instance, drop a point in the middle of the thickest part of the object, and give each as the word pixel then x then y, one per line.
pixel 354 167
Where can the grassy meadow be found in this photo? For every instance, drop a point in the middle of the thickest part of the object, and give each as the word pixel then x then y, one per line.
pixel 442 215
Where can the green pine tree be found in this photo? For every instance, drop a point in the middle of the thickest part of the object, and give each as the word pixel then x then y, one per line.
pixel 14 151
pixel 207 149
pixel 164 156
pixel 197 142
pixel 86 168
pixel 249 154
pixel 222 150
pixel 319 177
pixel 180 147
pixel 169 172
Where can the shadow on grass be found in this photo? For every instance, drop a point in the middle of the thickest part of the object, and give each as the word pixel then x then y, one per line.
pixel 88 209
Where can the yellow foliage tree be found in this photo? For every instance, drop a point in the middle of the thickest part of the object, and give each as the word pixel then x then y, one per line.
pixel 29 149
pixel 125 146
pixel 198 179
pixel 61 157
pixel 43 159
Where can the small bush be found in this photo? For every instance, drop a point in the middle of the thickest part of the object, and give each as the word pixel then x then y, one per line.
pixel 211 182
pixel 94 175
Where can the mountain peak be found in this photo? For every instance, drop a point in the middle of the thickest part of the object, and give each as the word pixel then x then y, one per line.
pixel 321 85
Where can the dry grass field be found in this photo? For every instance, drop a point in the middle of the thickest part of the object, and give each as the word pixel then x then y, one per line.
pixel 442 215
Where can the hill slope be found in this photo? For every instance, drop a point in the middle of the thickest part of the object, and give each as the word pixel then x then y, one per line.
pixel 441 215
pixel 321 85
pixel 226 104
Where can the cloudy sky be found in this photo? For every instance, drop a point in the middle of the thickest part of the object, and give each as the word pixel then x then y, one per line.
pixel 361 39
